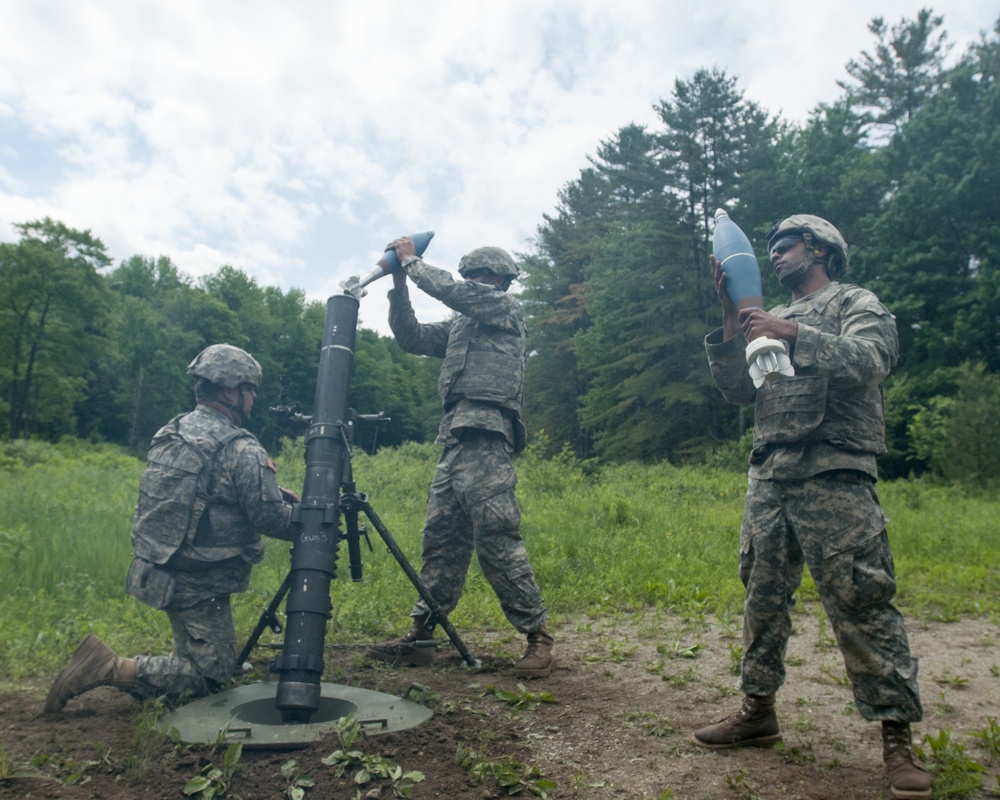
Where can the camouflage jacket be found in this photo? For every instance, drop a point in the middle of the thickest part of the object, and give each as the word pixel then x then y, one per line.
pixel 829 415
pixel 481 383
pixel 238 499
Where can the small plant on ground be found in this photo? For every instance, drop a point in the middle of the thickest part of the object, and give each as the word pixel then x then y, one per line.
pixel 680 650
pixel 214 781
pixel 735 659
pixel 511 775
pixel 369 768
pixel 989 739
pixel 738 783
pixel 11 770
pixel 653 724
pixel 956 774
pixel 296 782
pixel 521 699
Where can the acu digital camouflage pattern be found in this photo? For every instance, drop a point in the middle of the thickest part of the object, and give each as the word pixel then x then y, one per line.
pixel 811 498
pixel 213 560
pixel 482 376
pixel 833 523
pixel 472 506
pixel 225 365
pixel 829 415
pixel 822 231
pixel 495 259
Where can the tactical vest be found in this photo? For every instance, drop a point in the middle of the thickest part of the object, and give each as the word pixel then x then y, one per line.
pixel 483 363
pixel 808 408
pixel 173 490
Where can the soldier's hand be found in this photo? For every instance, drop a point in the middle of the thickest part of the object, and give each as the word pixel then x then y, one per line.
pixel 289 496
pixel 730 318
pixel 758 323
pixel 404 248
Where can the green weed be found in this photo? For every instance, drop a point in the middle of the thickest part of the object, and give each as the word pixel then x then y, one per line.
pixel 296 782
pixel 368 767
pixel 601 542
pixel 510 775
pixel 521 699
pixel 956 774
pixel 214 781
pixel 989 739
pixel 13 770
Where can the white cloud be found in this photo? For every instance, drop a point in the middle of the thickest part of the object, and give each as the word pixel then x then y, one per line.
pixel 294 140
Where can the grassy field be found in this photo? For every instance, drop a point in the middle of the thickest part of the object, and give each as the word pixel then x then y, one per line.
pixel 620 538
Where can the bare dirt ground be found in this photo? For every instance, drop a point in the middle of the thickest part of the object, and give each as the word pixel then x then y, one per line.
pixel 627 692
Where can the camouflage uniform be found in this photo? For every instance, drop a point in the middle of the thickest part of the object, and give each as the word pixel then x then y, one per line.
pixel 811 497
pixel 471 505
pixel 192 576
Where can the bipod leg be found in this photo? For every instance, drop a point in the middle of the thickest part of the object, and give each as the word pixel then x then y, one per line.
pixel 432 604
pixel 268 619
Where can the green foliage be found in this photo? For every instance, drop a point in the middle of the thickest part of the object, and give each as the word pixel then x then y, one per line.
pixel 214 781
pixel 296 782
pixel 616 286
pixel 521 699
pixel 510 775
pixel 959 436
pixel 956 773
pixel 623 537
pixel 989 739
pixel 368 768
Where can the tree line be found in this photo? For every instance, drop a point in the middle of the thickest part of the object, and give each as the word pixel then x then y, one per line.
pixel 616 284
pixel 904 163
pixel 99 352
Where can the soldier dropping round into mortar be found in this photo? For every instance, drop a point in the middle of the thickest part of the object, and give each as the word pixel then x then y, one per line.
pixel 471 506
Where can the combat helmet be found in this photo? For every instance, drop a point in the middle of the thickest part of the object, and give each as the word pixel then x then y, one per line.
pixel 495 259
pixel 814 229
pixel 227 366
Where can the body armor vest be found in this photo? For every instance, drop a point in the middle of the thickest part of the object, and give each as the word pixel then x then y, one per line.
pixel 174 491
pixel 483 364
pixel 807 408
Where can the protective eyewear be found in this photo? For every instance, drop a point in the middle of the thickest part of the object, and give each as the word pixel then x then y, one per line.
pixel 473 274
pixel 784 244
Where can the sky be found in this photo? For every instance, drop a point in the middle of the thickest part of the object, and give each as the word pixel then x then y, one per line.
pixel 294 140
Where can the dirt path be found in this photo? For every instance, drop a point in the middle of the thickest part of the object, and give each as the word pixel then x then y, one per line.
pixel 628 691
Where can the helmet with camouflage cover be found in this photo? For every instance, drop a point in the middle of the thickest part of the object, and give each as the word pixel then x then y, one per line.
pixel 814 230
pixel 494 259
pixel 227 366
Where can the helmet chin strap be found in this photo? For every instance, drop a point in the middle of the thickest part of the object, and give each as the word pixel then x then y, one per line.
pixel 792 279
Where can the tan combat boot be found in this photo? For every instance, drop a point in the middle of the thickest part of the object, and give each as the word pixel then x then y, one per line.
pixel 755 725
pixel 93 664
pixel 538 659
pixel 908 780
pixel 416 648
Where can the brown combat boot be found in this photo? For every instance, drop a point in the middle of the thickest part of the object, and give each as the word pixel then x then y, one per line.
pixel 908 780
pixel 93 664
pixel 538 660
pixel 416 648
pixel 755 725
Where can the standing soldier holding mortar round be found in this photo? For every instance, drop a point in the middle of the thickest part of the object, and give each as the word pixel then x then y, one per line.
pixel 811 496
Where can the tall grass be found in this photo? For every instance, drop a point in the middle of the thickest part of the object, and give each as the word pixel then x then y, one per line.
pixel 619 538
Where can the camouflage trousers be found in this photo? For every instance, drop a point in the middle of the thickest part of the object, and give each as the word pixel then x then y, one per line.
pixel 471 507
pixel 834 524
pixel 204 652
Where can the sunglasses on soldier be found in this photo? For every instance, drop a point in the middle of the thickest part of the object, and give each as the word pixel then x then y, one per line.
pixel 784 244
